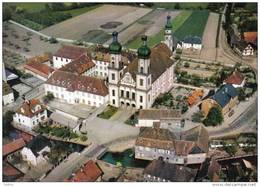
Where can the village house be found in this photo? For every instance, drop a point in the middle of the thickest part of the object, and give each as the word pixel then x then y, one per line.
pixel 236 79
pixel 192 42
pixel 190 147
pixel 8 95
pixel 166 117
pixel 13 146
pixel 30 114
pixel 89 172
pixel 38 69
pixel 35 151
pixel 226 98
pixel 66 54
pixel 244 48
pixel 195 96
pixel 144 78
pixel 161 171
pixel 73 88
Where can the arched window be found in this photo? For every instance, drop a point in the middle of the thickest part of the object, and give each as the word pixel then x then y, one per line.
pixel 142 70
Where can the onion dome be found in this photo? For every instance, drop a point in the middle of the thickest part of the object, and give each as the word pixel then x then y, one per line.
pixel 168 23
pixel 115 47
pixel 144 51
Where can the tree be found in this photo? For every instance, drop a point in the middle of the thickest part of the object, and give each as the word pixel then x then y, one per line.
pixel 48 97
pixel 241 94
pixel 53 40
pixel 7 120
pixel 197 117
pixel 214 117
pixel 177 6
pixel 7 12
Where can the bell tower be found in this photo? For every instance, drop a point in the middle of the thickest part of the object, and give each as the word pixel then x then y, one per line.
pixel 168 39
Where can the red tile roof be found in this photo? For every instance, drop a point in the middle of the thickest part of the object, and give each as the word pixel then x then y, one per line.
pixel 194 97
pixel 70 52
pixel 9 170
pixel 79 65
pixel 41 58
pixel 26 137
pixel 88 173
pixel 235 78
pixel 39 68
pixel 28 106
pixel 250 37
pixel 73 82
pixel 13 146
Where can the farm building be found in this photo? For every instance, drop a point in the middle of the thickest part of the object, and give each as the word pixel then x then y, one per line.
pixel 166 118
pixel 35 151
pixel 190 147
pixel 8 95
pixel 73 88
pixel 161 171
pixel 192 42
pixel 226 97
pixel 236 79
pixel 39 70
pixel 30 114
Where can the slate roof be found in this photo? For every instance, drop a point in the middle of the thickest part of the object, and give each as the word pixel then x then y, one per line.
pixel 39 68
pixel 70 52
pixel 192 40
pixel 171 172
pixel 79 65
pixel 158 114
pixel 235 78
pixel 29 106
pixel 88 173
pixel 13 146
pixel 224 95
pixel 73 82
pixel 159 60
pixel 37 144
pixel 6 88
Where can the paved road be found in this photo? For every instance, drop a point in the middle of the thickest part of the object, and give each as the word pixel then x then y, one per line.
pixel 73 163
pixel 246 119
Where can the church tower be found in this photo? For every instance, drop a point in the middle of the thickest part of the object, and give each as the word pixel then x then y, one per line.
pixel 144 76
pixel 115 69
pixel 168 40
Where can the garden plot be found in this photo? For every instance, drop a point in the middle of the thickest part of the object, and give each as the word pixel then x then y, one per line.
pixel 25 43
pixel 107 18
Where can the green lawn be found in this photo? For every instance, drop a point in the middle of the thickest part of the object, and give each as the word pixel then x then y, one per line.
pixel 171 6
pixel 30 7
pixel 194 25
pixel 108 113
pixel 153 40
pixel 78 11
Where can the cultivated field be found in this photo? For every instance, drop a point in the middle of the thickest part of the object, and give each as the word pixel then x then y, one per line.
pixel 80 26
pixel 208 51
pixel 27 44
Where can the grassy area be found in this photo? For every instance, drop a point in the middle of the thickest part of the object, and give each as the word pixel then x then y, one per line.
pixel 96 36
pixel 172 6
pixel 194 25
pixel 78 11
pixel 30 7
pixel 153 40
pixel 108 113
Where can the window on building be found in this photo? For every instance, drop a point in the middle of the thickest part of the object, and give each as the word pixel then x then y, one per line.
pixel 142 70
pixel 113 101
pixel 56 58
pixel 141 82
pixel 148 81
pixel 127 94
pixel 133 95
pixel 113 76
pixel 141 107
pixel 149 97
pixel 113 93
pixel 141 99
pixel 122 93
pixel 61 59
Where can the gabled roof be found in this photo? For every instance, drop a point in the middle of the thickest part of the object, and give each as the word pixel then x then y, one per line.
pixel 170 172
pixel 192 40
pixel 224 95
pixel 73 82
pixel 37 144
pixel 79 65
pixel 235 78
pixel 40 59
pixel 159 60
pixel 39 68
pixel 70 52
pixel 158 114
pixel 88 173
pixel 13 146
pixel 28 107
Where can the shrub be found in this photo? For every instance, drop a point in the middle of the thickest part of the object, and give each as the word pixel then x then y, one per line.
pixel 214 117
pixel 83 138
pixel 53 40
pixel 186 65
pixel 197 117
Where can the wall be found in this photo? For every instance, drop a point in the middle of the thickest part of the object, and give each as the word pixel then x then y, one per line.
pixel 9 98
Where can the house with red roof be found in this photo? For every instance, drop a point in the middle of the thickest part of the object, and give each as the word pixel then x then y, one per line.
pixel 89 172
pixel 236 79
pixel 30 114
pixel 39 70
pixel 13 146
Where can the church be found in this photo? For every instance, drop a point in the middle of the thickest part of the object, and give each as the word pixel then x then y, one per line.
pixel 150 74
